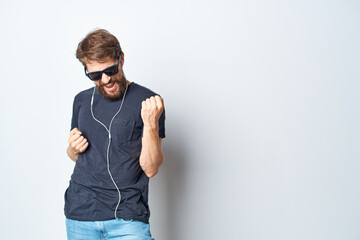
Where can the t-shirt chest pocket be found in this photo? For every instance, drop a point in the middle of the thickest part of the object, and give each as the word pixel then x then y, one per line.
pixel 122 130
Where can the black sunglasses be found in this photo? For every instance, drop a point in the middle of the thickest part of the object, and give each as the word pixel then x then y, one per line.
pixel 110 71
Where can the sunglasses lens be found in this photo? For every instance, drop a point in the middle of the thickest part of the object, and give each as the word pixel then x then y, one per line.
pixel 111 70
pixel 95 76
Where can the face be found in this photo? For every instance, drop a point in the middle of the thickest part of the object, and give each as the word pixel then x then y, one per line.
pixel 110 87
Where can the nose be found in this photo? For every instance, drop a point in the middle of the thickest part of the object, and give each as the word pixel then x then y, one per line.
pixel 105 78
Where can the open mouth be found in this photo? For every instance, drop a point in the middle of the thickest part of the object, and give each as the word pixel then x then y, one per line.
pixel 110 86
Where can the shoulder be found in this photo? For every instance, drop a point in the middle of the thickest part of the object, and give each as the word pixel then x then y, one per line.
pixel 85 94
pixel 140 92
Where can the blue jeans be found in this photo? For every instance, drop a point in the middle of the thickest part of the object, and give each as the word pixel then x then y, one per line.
pixel 115 229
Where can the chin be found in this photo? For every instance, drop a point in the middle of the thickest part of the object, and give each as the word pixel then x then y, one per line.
pixel 117 94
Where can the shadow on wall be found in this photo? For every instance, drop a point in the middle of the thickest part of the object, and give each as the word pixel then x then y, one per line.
pixel 174 177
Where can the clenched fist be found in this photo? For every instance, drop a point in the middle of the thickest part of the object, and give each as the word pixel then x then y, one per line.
pixel 77 143
pixel 151 110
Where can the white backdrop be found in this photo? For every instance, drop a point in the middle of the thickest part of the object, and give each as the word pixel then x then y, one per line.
pixel 262 102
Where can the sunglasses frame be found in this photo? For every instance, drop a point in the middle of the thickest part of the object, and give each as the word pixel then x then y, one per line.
pixel 103 71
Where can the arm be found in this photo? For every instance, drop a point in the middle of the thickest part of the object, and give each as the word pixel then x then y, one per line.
pixel 151 156
pixel 77 144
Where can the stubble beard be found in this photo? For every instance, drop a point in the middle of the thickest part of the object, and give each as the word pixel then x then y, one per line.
pixel 117 95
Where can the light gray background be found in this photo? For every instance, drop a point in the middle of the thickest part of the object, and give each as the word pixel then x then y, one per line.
pixel 262 101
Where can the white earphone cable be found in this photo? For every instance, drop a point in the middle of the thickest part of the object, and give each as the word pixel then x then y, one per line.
pixel 108 147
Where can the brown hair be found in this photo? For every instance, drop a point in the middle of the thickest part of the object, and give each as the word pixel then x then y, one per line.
pixel 98 45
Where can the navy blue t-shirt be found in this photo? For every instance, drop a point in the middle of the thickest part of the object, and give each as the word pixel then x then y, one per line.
pixel 91 195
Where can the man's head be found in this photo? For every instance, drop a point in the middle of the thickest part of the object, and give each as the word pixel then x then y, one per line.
pixel 99 51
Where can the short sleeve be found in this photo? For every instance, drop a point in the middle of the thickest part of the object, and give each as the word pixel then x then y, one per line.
pixel 162 125
pixel 75 115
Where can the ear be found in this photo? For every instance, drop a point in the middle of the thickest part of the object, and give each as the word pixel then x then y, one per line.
pixel 122 59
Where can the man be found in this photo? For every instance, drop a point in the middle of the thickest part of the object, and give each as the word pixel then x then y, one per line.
pixel 115 140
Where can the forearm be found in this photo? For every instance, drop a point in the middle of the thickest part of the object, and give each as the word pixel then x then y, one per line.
pixel 72 155
pixel 151 156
